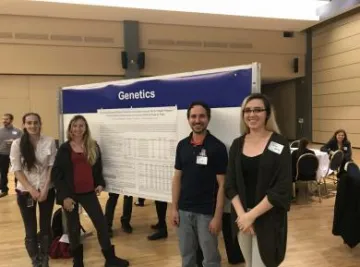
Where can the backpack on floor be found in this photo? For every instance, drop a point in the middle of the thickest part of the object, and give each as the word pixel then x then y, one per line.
pixel 56 225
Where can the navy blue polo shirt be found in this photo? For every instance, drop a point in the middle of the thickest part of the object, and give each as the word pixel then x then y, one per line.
pixel 199 185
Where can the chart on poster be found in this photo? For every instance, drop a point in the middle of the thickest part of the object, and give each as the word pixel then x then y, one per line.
pixel 138 150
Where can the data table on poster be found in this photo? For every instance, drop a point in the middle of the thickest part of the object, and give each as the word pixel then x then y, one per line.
pixel 138 150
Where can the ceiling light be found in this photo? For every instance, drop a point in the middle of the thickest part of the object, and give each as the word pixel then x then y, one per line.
pixel 283 9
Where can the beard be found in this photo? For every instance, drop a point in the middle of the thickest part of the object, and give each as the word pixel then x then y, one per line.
pixel 198 128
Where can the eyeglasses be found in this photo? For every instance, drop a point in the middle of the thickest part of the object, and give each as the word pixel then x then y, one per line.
pixel 255 110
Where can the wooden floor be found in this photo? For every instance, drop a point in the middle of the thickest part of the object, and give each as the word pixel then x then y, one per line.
pixel 310 241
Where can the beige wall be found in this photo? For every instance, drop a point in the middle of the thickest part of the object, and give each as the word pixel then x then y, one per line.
pixel 23 93
pixel 336 79
pixel 33 45
pixel 39 55
pixel 282 96
pixel 171 49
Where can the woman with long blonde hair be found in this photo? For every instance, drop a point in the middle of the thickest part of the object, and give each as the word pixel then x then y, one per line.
pixel 259 184
pixel 78 179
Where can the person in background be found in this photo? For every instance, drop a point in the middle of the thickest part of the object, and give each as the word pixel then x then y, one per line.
pixel 259 184
pixel 295 155
pixel 160 227
pixel 339 141
pixel 32 157
pixel 7 135
pixel 78 179
pixel 140 202
pixel 126 216
pixel 198 189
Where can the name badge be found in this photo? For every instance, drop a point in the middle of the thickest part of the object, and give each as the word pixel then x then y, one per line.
pixel 345 148
pixel 276 147
pixel 14 132
pixel 202 159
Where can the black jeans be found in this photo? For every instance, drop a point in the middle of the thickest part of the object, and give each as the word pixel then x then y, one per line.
pixel 141 200
pixel 4 169
pixel 111 205
pixel 91 204
pixel 161 208
pixel 29 214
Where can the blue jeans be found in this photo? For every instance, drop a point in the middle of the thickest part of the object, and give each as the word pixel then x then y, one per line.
pixel 194 231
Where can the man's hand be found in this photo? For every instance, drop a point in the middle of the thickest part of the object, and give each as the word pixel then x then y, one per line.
pixel 215 225
pixel 175 218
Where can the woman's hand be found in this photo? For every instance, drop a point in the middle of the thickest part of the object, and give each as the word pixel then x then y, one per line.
pixel 69 204
pixel 245 222
pixel 98 190
pixel 34 194
pixel 43 194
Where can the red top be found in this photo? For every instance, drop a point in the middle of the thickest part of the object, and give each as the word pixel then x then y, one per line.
pixel 83 177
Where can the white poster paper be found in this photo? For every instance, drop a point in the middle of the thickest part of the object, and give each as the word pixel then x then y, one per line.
pixel 138 150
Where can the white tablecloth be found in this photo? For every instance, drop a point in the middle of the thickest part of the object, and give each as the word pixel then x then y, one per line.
pixel 323 162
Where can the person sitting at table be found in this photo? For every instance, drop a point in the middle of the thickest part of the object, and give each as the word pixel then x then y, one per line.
pixel 295 155
pixel 339 141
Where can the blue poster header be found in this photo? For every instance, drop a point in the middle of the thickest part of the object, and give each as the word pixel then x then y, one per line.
pixel 225 89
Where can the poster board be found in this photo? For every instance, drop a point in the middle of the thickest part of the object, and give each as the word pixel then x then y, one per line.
pixel 138 122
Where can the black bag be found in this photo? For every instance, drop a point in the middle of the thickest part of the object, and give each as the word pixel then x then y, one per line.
pixel 57 226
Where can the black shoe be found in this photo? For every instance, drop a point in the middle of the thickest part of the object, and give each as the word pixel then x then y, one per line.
pixel 139 204
pixel 3 194
pixel 127 228
pixel 32 248
pixel 155 226
pixel 44 250
pixel 78 256
pixel 112 260
pixel 159 234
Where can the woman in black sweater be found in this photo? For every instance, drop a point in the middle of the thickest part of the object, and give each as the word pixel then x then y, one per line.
pixel 339 141
pixel 78 179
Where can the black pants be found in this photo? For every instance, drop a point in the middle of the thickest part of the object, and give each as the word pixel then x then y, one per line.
pixel 141 200
pixel 161 208
pixel 111 205
pixel 91 204
pixel 4 169
pixel 28 214
pixel 232 247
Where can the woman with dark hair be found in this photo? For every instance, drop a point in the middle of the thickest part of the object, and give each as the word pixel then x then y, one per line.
pixel 32 157
pixel 339 141
pixel 295 155
pixel 78 179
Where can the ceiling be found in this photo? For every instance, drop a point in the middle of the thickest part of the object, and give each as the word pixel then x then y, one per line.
pixel 73 11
